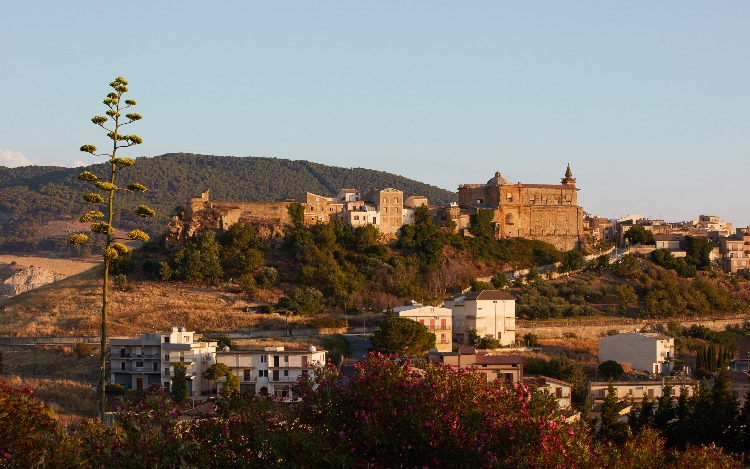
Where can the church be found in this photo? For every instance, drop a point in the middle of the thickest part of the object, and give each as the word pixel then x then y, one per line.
pixel 545 212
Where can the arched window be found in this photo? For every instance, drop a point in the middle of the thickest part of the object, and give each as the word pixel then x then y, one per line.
pixel 509 219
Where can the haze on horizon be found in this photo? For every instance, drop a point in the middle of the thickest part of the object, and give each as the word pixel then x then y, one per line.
pixel 648 102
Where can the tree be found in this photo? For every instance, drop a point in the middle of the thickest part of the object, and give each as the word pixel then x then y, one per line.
pixel 610 369
pixel 403 337
pixel 573 260
pixel 231 386
pixel 111 247
pixel 698 251
pixel 302 301
pixel 215 372
pixel 610 426
pixel 179 389
pixel 482 224
pixel 296 213
pixel 198 259
pixel 638 234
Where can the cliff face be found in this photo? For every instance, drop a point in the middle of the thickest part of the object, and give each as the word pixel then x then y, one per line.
pixel 14 281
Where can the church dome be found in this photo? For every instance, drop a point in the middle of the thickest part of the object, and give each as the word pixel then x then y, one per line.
pixel 498 180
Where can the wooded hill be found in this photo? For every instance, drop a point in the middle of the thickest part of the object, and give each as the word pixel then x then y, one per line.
pixel 32 195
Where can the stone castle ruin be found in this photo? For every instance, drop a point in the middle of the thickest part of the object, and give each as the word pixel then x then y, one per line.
pixel 545 212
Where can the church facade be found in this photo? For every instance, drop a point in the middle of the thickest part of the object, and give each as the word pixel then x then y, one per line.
pixel 545 212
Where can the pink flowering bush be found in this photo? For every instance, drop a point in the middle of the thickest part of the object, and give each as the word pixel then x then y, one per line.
pixel 24 423
pixel 394 415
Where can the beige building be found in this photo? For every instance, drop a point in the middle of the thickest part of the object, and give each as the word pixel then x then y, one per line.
pixel 147 360
pixel 650 352
pixel 272 371
pixel 734 251
pixel 545 212
pixel 507 368
pixel 558 388
pixel 633 391
pixel 389 203
pixel 490 312
pixel 437 320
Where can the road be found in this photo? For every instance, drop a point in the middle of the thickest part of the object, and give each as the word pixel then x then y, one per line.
pixel 359 347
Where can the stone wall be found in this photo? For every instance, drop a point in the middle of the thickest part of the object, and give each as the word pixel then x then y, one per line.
pixel 596 329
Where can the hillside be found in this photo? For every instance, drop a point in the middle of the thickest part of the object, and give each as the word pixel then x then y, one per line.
pixel 33 195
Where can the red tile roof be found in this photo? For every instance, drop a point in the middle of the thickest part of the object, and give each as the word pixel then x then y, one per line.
pixel 498 360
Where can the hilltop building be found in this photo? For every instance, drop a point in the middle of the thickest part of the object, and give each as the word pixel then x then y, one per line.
pixel 545 212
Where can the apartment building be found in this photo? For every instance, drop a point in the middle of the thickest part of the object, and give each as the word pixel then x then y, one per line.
pixel 272 371
pixel 147 360
pixel 437 320
pixel 489 312
pixel 650 352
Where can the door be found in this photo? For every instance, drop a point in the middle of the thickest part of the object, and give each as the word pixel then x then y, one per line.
pixel 275 375
pixel 139 384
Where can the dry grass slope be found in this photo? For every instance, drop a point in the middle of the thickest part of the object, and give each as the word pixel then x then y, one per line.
pixel 72 307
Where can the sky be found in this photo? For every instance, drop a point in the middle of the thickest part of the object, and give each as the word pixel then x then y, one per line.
pixel 648 101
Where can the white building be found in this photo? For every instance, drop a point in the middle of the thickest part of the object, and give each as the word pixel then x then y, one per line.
pixel 437 320
pixel 489 312
pixel 273 370
pixel 653 353
pixel 149 359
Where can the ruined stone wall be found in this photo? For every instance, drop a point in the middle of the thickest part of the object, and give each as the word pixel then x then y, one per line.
pixel 269 218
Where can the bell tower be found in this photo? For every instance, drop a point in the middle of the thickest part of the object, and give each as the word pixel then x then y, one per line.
pixel 569 179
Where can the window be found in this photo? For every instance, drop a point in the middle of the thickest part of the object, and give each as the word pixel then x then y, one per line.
pixel 480 201
pixel 166 357
pixel 263 373
pixel 286 372
pixel 286 358
pixel 139 364
pixel 263 358
pixel 385 200
pixel 558 393
pixel 246 375
pixel 166 339
pixel 156 366
pixel 395 200
pixel 304 361
pixel 385 209
pixel 442 339
pixel 122 366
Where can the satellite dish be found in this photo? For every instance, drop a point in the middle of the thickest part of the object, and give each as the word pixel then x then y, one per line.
pixel 312 348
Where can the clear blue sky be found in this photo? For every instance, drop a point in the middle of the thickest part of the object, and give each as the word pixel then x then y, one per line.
pixel 648 101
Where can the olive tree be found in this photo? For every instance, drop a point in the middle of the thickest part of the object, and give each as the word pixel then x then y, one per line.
pixel 104 195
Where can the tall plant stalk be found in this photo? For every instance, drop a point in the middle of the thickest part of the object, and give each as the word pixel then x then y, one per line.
pixel 111 247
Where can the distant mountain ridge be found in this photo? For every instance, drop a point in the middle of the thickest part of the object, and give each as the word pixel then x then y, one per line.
pixel 33 194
